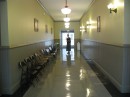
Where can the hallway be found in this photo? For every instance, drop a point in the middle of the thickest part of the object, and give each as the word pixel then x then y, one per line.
pixel 27 26
pixel 68 78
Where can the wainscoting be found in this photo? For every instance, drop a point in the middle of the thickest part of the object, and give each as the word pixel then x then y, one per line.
pixel 112 60
pixel 10 74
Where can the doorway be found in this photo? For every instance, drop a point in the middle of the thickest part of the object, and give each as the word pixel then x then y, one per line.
pixel 64 36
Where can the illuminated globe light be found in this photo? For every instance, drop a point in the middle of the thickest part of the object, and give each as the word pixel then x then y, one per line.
pixel 66 10
pixel 82 27
pixel 66 19
pixel 110 6
pixel 67 24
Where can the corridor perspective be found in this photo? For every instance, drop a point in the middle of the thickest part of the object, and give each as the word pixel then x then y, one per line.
pixel 33 57
pixel 70 76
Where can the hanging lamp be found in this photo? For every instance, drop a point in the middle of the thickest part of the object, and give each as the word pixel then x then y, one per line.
pixel 67 23
pixel 66 10
pixel 66 19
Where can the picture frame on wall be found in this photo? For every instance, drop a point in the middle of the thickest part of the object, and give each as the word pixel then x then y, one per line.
pixel 99 24
pixel 51 30
pixel 46 28
pixel 86 29
pixel 36 25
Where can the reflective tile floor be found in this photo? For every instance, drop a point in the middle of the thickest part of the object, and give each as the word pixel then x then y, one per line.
pixel 69 76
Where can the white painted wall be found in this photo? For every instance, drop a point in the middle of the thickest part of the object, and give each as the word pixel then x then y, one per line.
pixel 20 39
pixel 4 23
pixel 112 25
pixel 21 16
pixel 115 31
pixel 127 22
pixel 0 50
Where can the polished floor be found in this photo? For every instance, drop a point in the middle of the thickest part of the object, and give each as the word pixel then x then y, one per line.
pixel 69 76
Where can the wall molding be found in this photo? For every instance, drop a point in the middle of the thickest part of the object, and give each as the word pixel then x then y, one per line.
pixel 4 47
pixel 113 80
pixel 11 90
pixel 112 60
pixel 15 87
pixel 22 45
pixel 117 45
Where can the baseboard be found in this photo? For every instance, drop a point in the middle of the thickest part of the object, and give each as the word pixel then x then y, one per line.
pixel 12 90
pixel 5 91
pixel 114 81
pixel 125 89
pixel 15 87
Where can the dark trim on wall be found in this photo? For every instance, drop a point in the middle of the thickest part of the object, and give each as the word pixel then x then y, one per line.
pixel 4 47
pixel 117 45
pixel 107 57
pixel 0 24
pixel 9 60
pixel 25 44
pixel 2 0
pixel 126 45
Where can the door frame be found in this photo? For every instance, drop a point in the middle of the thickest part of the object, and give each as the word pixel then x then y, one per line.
pixel 65 31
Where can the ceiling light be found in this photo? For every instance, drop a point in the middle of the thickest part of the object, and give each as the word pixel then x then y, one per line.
pixel 66 19
pixel 67 24
pixel 66 10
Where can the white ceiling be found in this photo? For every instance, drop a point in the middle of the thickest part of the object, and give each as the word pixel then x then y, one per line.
pixel 78 7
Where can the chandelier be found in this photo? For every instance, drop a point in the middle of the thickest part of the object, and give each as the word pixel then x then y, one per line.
pixel 66 10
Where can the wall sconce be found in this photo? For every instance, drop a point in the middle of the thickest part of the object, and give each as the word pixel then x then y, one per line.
pixel 88 24
pixel 82 29
pixel 112 7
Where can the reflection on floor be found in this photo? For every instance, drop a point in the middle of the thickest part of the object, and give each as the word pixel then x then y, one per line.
pixel 66 56
pixel 71 76
pixel 68 77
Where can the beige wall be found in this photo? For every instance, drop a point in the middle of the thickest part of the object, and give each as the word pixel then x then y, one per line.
pixel 108 49
pixel 21 14
pixel 127 22
pixel 4 23
pixel 60 26
pixel 19 40
pixel 112 25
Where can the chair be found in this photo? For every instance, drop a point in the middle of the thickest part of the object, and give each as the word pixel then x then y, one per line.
pixel 24 74
pixel 45 54
pixel 31 70
pixel 48 53
pixel 38 66
pixel 40 60
pixel 53 52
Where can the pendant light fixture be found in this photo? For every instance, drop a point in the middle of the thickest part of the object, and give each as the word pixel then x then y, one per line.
pixel 67 24
pixel 66 19
pixel 66 10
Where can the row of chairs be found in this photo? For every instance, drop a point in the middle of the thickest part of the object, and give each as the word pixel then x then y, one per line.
pixel 34 65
